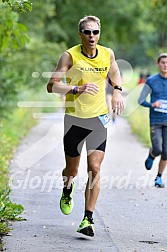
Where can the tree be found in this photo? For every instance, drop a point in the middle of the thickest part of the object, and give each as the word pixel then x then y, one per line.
pixel 26 46
pixel 12 37
pixel 127 26
pixel 12 33
pixel 158 18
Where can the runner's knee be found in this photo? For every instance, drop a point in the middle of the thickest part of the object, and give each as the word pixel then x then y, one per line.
pixel 94 169
pixel 157 151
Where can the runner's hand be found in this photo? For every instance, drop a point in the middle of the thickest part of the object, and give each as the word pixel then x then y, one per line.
pixel 156 104
pixel 89 88
pixel 117 102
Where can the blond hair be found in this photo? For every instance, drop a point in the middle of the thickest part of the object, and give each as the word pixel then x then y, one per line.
pixel 86 19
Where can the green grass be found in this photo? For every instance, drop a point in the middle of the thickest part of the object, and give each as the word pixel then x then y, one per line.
pixel 137 116
pixel 139 122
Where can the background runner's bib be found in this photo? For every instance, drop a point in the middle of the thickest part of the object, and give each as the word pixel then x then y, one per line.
pixel 163 108
pixel 87 70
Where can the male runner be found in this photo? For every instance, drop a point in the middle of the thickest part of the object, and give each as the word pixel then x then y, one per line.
pixel 86 66
pixel 156 85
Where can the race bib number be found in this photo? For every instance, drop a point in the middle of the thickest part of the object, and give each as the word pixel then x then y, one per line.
pixel 105 120
pixel 163 108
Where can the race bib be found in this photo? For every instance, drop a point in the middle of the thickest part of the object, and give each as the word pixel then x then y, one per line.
pixel 163 108
pixel 105 120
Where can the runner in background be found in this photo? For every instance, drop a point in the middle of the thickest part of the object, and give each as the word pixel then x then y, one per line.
pixel 141 79
pixel 156 86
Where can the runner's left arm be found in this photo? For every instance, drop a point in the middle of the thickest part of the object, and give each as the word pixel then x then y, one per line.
pixel 115 76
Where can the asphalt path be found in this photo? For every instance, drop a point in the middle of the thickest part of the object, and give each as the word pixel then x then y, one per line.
pixel 131 214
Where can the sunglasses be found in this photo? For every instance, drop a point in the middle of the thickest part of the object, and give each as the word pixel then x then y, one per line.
pixel 89 32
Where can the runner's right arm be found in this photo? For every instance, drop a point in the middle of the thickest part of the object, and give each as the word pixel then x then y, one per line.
pixel 55 85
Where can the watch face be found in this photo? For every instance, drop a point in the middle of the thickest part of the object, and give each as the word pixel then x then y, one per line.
pixel 118 87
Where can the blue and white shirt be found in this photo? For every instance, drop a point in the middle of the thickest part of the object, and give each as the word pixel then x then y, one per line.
pixel 156 86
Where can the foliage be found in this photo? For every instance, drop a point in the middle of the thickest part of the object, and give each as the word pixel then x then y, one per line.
pixel 12 129
pixel 26 55
pixel 12 37
pixel 8 211
pixel 19 5
pixel 157 16
pixel 136 115
pixel 12 33
pixel 139 121
pixel 40 18
pixel 127 27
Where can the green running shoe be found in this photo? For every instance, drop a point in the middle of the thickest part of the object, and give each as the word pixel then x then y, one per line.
pixel 86 227
pixel 66 202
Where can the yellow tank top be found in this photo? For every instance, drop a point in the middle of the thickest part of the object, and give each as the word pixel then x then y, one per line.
pixel 88 70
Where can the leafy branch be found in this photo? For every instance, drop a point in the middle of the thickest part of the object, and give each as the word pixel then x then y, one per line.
pixel 19 6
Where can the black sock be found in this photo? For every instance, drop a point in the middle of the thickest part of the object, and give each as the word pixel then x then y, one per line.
pixel 159 175
pixel 67 191
pixel 88 214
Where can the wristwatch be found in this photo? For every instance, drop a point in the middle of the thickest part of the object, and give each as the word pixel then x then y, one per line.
pixel 118 87
pixel 74 90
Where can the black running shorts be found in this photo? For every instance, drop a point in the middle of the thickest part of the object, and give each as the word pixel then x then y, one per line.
pixel 79 130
